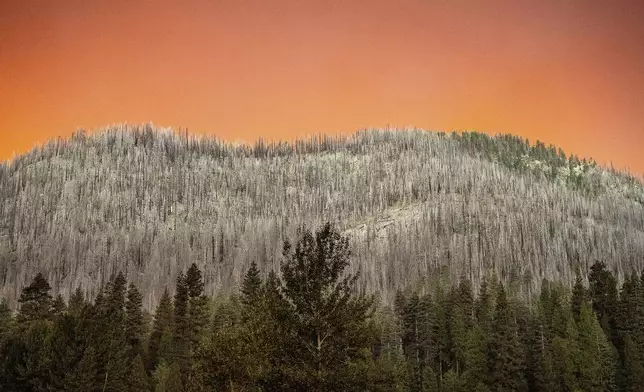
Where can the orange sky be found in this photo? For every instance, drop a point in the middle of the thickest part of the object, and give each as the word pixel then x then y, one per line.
pixel 566 72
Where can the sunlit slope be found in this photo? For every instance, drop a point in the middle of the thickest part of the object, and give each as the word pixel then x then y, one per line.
pixel 149 202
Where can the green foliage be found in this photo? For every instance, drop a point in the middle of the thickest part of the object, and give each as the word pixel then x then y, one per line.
pixel 160 342
pixel 505 353
pixel 308 329
pixel 35 301
pixel 134 328
pixel 327 321
pixel 251 288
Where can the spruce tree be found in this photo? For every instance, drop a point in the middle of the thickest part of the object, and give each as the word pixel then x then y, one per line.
pixel 475 357
pixel 6 320
pixel 198 317
pixel 134 328
pixel 251 287
pixel 603 294
pixel 111 341
pixel 137 380
pixel 505 354
pixel 594 358
pixel 35 301
pixel 181 334
pixel 329 320
pixel 58 306
pixel 83 378
pixel 579 297
pixel 160 343
pixel 77 303
pixel 630 322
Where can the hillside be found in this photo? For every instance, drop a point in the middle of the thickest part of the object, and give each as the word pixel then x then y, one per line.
pixel 149 202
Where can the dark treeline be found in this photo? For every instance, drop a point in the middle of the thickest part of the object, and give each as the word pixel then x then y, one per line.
pixel 307 328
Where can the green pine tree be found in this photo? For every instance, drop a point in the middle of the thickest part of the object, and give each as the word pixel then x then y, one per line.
pixel 579 297
pixel 160 342
pixel 594 361
pixel 181 334
pixel 505 354
pixel 603 294
pixel 329 323
pixel 251 290
pixel 35 301
pixel 134 328
pixel 137 378
pixel 198 317
pixel 77 303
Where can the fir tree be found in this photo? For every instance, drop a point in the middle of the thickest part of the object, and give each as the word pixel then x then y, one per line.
pixel 181 334
pixel 137 380
pixel 159 347
pixel 134 328
pixel 329 320
pixel 505 354
pixel 112 345
pixel 35 301
pixel 83 378
pixel 579 297
pixel 58 306
pixel 251 287
pixel 77 303
pixel 6 320
pixel 197 307
pixel 594 355
pixel 603 293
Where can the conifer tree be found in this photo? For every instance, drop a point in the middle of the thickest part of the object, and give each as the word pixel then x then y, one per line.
pixel 112 344
pixel 505 354
pixel 329 323
pixel 137 380
pixel 181 334
pixel 409 313
pixel 630 324
pixel 603 293
pixel 35 301
pixel 159 346
pixel 484 308
pixel 6 320
pixel 134 328
pixel 251 287
pixel 198 317
pixel 83 377
pixel 579 297
pixel 58 306
pixel 594 358
pixel 77 303
pixel 475 357
pixel 541 373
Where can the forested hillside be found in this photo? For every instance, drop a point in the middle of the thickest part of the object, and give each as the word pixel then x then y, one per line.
pixel 308 329
pixel 150 202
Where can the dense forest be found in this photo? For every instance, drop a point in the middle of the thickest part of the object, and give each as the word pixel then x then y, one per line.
pixel 308 328
pixel 149 202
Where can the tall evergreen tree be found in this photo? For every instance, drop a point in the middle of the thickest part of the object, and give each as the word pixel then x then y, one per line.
pixel 505 354
pixel 579 297
pixel 630 325
pixel 35 301
pixel 329 323
pixel 603 293
pixel 251 287
pixel 160 342
pixel 594 358
pixel 134 328
pixel 112 345
pixel 181 334
pixel 77 303
pixel 198 317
